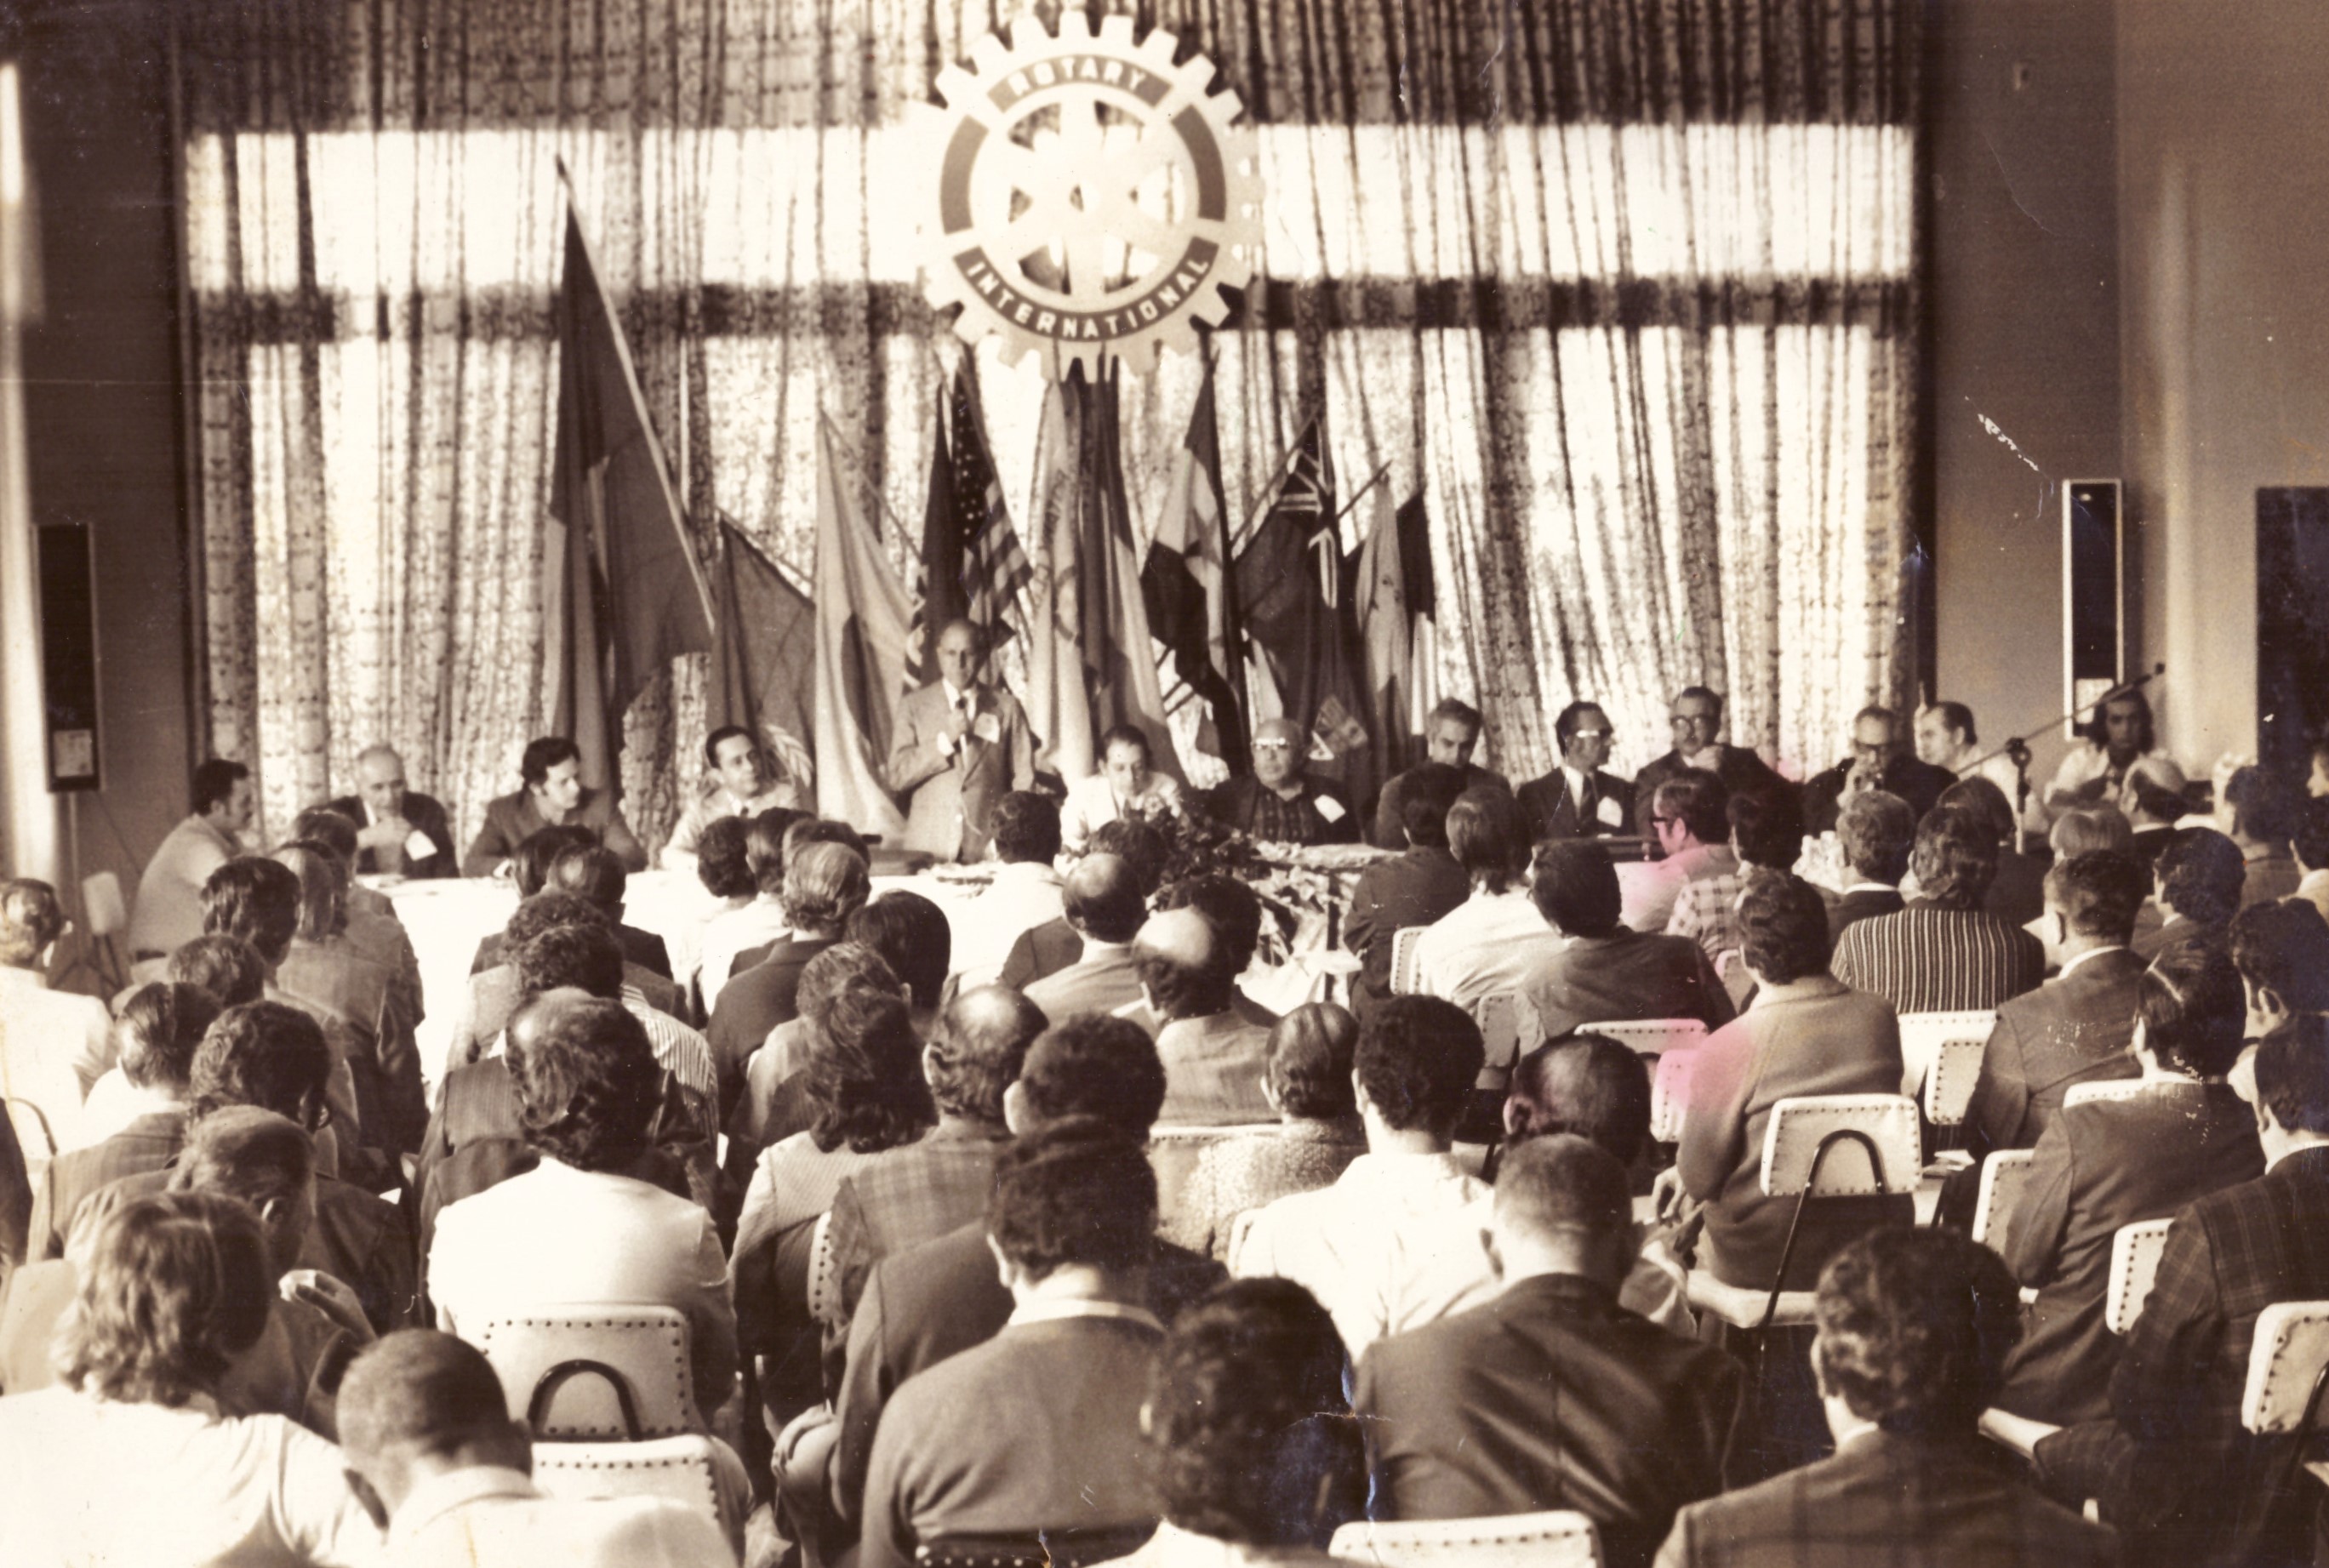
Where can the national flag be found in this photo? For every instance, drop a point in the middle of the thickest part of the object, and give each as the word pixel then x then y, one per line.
pixel 1418 577
pixel 1120 653
pixel 1184 584
pixel 1059 701
pixel 1386 625
pixel 940 597
pixel 993 569
pixel 631 595
pixel 764 663
pixel 862 617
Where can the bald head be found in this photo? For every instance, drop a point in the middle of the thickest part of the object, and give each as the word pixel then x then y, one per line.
pixel 1185 965
pixel 1101 898
pixel 419 1403
pixel 980 1046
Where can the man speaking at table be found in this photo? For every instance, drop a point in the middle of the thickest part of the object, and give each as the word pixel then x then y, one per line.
pixel 957 748
pixel 398 830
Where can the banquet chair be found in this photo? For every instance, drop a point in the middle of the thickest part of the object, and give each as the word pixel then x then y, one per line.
pixel 1922 1036
pixel 644 1390
pixel 1670 1095
pixel 1949 1081
pixel 1651 1037
pixel 2134 1264
pixel 2101 1089
pixel 1558 1538
pixel 1403 977
pixel 1036 1548
pixel 824 1275
pixel 2288 1367
pixel 2003 1175
pixel 1498 1015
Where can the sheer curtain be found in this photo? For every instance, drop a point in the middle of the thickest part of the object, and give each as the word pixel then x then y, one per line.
pixel 1625 287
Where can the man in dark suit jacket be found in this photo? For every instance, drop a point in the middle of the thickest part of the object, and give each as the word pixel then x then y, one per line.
pixel 596 873
pixel 1875 830
pixel 1451 734
pixel 1551 1395
pixel 2173 1469
pixel 387 815
pixel 1878 762
pixel 1579 798
pixel 1416 889
pixel 1696 718
pixel 1913 1323
pixel 1278 801
pixel 1609 972
pixel 148 1143
pixel 553 793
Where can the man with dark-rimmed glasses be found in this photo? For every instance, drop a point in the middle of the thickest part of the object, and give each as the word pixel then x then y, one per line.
pixel 1695 716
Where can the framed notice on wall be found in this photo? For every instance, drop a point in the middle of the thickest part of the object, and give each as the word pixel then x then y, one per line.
pixel 2094 596
pixel 69 655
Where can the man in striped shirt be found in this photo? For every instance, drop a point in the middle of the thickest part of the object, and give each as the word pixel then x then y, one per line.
pixel 1943 952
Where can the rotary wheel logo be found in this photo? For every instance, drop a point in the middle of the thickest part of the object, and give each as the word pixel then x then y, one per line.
pixel 1091 200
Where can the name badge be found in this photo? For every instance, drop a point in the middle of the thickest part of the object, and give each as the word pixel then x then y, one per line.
pixel 987 727
pixel 417 846
pixel 1329 808
pixel 1608 815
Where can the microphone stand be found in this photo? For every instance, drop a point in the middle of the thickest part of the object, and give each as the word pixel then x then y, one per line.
pixel 2018 747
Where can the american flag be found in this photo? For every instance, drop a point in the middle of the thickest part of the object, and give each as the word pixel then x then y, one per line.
pixel 994 570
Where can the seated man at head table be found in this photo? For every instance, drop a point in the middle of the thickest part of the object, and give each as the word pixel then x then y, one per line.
pixel 169 907
pixel 2097 771
pixel 1579 798
pixel 955 747
pixel 1450 734
pixel 553 794
pixel 1696 718
pixel 1128 785
pixel 400 831
pixel 1280 804
pixel 1878 762
pixel 739 787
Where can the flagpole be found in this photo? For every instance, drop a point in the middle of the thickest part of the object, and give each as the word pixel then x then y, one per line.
pixel 1269 493
pixel 858 458
pixel 1360 495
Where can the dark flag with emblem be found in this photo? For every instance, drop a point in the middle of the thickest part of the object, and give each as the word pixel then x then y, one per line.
pixel 940 598
pixel 862 618
pixel 764 666
pixel 1186 585
pixel 629 595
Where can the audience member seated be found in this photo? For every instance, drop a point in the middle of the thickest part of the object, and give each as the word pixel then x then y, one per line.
pixel 2109 1163
pixel 2310 846
pixel 435 1458
pixel 1234 911
pixel 1044 950
pixel 758 923
pixel 155 1039
pixel 54 1044
pixel 1414 891
pixel 1318 1134
pixel 1806 1033
pixel 2282 953
pixel 1256 1457
pixel 1451 733
pixel 1875 830
pixel 371 925
pixel 2156 807
pixel 169 908
pixel 2199 879
pixel 400 831
pixel 2017 892
pixel 493 993
pixel 1024 894
pixel 1279 803
pixel 825 885
pixel 776 1103
pixel 1607 972
pixel 1944 952
pixel 323 968
pixel 1914 1326
pixel 530 871
pixel 553 794
pixel 1418 1059
pixel 1103 905
pixel 1947 738
pixel 1488 944
pixel 1579 798
pixel 1766 834
pixel 2173 1470
pixel 2257 811
pixel 578 1227
pixel 2096 772
pixel 2081 832
pixel 1689 824
pixel 1126 785
pixel 1037 1429
pixel 1695 718
pixel 134 1459
pixel 597 876
pixel 912 935
pixel 1214 1058
pixel 739 787
pixel 726 876
pixel 1551 1395
pixel 1879 761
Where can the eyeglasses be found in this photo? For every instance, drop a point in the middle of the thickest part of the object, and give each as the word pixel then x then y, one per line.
pixel 1593 734
pixel 1658 822
pixel 1271 745
pixel 1690 720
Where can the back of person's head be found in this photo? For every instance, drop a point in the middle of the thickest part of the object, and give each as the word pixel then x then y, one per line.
pixel 2309 836
pixel 2193 1011
pixel 1417 1061
pixel 214 783
pixel 2264 808
pixel 1311 1053
pixel 1954 857
pixel 1229 905
pixel 721 864
pixel 2099 894
pixel 1583 1083
pixel 2282 946
pixel 1699 800
pixel 542 753
pixel 1575 888
pixel 1074 1192
pixel 2201 873
pixel 1783 929
pixel 913 938
pixel 981 1044
pixel 1026 828
pixel 418 1400
pixel 1915 1325
pixel 552 910
pixel 1488 838
pixel 824 830
pixel 2292 1075
pixel 159 1030
pixel 322 825
pixel 1185 965
pixel 172 1288
pixel 1565 1187
pixel 586 958
pixel 1766 828
pixel 1144 847
pixel 539 850
pixel 262 1054
pixel 864 1072
pixel 1251 1434
pixel 764 847
pixel 227 967
pixel 323 888
pixel 594 872
pixel 262 1158
pixel 842 967
pixel 1102 899
pixel 30 919
pixel 825 885
pixel 1094 1064
pixel 1876 829
pixel 1985 801
pixel 1432 791
pixel 2091 827
pixel 588 1084
pixel 254 898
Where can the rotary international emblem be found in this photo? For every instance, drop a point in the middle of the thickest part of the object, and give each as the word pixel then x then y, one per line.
pixel 1091 198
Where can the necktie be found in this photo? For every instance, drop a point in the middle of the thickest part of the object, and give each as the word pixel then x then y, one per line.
pixel 1586 802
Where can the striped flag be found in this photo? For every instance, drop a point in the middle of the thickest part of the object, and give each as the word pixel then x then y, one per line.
pixel 938 593
pixel 994 569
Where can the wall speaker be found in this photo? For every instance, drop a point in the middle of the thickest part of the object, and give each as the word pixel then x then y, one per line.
pixel 2094 594
pixel 69 655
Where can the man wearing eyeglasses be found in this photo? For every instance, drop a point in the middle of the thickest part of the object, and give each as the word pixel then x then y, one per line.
pixel 1695 716
pixel 1878 762
pixel 1578 799
pixel 1278 803
pixel 1450 734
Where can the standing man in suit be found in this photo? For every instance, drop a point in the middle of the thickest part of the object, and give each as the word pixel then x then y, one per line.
pixel 956 748
pixel 1878 762
pixel 1577 799
pixel 1450 734
pixel 1696 718
pixel 391 820
pixel 553 795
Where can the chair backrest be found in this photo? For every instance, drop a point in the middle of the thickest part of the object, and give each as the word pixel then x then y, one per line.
pixel 682 1469
pixel 824 1274
pixel 2285 1359
pixel 1949 1081
pixel 1651 1037
pixel 102 905
pixel 2133 1261
pixel 1800 1123
pixel 1036 1548
pixel 1922 1035
pixel 645 1345
pixel 1670 1095
pixel 1498 1015
pixel 1561 1538
pixel 1402 959
pixel 2102 1089
pixel 2003 1176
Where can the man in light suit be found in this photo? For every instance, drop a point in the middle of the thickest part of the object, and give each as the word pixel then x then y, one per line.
pixel 1214 1056
pixel 1103 903
pixel 958 747
pixel 1579 798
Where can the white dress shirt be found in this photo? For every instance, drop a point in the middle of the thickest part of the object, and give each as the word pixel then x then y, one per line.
pixel 679 850
pixel 1024 894
pixel 1489 943
pixel 52 1044
pixel 756 925
pixel 1091 803
pixel 490 1517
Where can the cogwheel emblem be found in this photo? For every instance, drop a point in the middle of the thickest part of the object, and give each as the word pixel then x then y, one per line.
pixel 1091 198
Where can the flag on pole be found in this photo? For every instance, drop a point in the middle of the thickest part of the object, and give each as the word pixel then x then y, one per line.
pixel 1386 625
pixel 1059 700
pixel 631 595
pixel 940 598
pixel 764 667
pixel 994 567
pixel 863 616
pixel 1419 581
pixel 1119 654
pixel 1185 586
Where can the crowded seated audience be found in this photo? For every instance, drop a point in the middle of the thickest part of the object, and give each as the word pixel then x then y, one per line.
pixel 1944 952
pixel 1606 972
pixel 1213 1054
pixel 1414 889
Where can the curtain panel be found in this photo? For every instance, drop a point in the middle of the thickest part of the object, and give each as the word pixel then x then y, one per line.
pixel 1625 288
